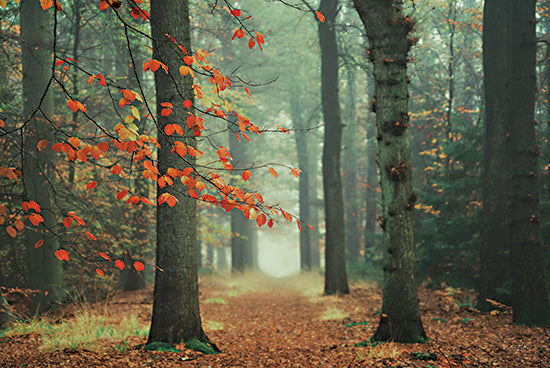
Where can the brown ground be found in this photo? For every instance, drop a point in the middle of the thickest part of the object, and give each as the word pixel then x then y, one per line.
pixel 261 322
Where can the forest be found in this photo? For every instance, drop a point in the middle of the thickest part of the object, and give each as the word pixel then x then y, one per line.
pixel 275 183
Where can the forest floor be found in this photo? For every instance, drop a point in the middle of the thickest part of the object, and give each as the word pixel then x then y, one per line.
pixel 261 322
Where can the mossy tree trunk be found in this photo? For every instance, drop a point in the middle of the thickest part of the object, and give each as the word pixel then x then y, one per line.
pixel 176 315
pixel 387 30
pixel 45 270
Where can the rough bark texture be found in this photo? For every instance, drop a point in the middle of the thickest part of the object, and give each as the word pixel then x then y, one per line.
pixel 303 163
pixel 387 30
pixel 45 270
pixel 495 273
pixel 176 315
pixel 335 242
pixel 530 294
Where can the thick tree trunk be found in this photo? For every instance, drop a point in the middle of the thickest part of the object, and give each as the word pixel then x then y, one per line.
pixel 45 270
pixel 495 276
pixel 335 243
pixel 530 294
pixel 303 163
pixel 387 30
pixel 176 315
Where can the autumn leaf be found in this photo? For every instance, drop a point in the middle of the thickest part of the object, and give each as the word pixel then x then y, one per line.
pixel 119 264
pixel 104 256
pixel 39 243
pixel 42 144
pixel 139 266
pixel 261 219
pixel 273 172
pixel 236 12
pixel 11 231
pixel 68 221
pixel 246 175
pixel 75 106
pixel 169 129
pixel 251 43
pixel 121 195
pixel 2 123
pixel 62 254
pixel 188 60
pixel 36 219
pixel 91 236
pixel 91 185
pixel 320 16
pixel 187 104
pixel 270 223
pixel 19 225
pixel 100 273
pixel 116 169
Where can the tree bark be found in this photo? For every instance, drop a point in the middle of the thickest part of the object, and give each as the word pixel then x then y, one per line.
pixel 495 274
pixel 387 30
pixel 45 270
pixel 176 315
pixel 335 241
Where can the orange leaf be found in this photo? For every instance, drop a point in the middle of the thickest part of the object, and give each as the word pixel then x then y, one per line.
pixel 35 219
pixel 91 185
pixel 57 147
pixel 11 231
pixel 2 124
pixel 320 16
pixel 246 175
pixel 139 266
pixel 42 144
pixel 74 141
pixel 295 172
pixel 187 104
pixel 116 170
pixel 62 255
pixel 188 60
pixel 99 272
pixel 19 225
pixel 169 129
pixel 251 43
pixel 91 236
pixel 103 255
pixel 166 112
pixel 68 221
pixel 103 146
pixel 119 264
pixel 261 219
pixel 273 172
pixel 39 243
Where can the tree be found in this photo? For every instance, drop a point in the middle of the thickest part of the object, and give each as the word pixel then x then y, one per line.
pixel 335 244
pixel 510 80
pixel 387 30
pixel 45 270
pixel 176 314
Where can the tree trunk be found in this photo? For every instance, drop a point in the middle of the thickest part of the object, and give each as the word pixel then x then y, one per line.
pixel 45 270
pixel 176 315
pixel 335 243
pixel 303 163
pixel 387 30
pixel 495 273
pixel 530 294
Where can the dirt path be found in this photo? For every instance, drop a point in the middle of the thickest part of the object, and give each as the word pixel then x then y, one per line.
pixel 258 322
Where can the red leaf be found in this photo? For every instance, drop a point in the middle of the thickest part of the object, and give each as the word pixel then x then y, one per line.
pixel 19 225
pixel 36 219
pixel 261 219
pixel 39 243
pixel 91 185
pixel 273 172
pixel 68 221
pixel 62 255
pixel 57 147
pixel 187 104
pixel 295 172
pixel 320 16
pixel 270 223
pixel 166 112
pixel 121 195
pixel 99 272
pixel 251 43
pixel 239 33
pixel 91 236
pixel 103 146
pixel 116 170
pixel 246 175
pixel 103 255
pixel 188 60
pixel 169 129
pixel 236 12
pixel 119 264
pixel 139 266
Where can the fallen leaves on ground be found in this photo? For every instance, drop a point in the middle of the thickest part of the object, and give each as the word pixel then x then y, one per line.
pixel 262 322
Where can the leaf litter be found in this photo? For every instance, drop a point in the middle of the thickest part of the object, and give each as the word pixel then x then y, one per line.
pixel 259 321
